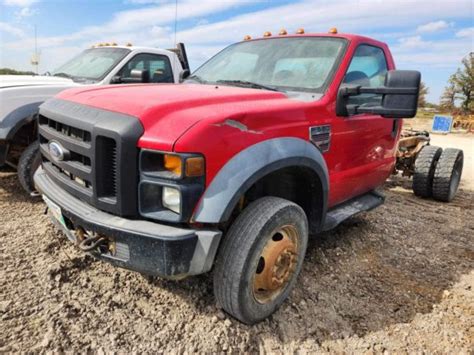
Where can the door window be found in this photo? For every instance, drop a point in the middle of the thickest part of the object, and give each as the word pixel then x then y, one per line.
pixel 368 68
pixel 158 65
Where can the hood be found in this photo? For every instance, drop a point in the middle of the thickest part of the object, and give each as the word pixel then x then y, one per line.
pixel 30 80
pixel 167 111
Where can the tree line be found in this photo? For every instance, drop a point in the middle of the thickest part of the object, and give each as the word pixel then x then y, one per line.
pixel 8 71
pixel 458 94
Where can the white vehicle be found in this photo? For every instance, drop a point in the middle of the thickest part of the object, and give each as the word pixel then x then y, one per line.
pixel 21 95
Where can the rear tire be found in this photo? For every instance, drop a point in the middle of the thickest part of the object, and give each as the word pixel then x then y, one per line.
pixel 448 174
pixel 260 259
pixel 29 161
pixel 425 165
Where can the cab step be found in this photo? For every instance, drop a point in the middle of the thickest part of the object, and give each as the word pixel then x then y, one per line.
pixel 349 208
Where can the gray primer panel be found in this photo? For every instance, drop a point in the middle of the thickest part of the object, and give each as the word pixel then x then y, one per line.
pixel 245 168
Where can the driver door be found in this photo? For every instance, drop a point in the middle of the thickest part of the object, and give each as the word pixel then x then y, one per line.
pixel 366 141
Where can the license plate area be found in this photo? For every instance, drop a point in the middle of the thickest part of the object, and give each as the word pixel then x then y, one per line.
pixel 55 211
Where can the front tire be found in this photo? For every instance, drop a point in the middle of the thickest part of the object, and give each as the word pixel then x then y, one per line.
pixel 260 259
pixel 29 161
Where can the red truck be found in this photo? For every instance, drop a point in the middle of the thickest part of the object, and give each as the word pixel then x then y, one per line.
pixel 270 141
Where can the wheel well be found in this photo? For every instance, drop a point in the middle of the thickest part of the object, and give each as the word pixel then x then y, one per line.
pixel 23 137
pixel 300 185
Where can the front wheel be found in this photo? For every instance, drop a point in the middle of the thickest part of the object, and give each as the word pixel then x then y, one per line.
pixel 260 259
pixel 30 160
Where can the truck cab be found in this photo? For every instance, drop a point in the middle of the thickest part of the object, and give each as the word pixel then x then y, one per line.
pixel 104 64
pixel 273 140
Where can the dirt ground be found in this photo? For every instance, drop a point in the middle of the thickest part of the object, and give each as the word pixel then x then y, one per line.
pixel 398 279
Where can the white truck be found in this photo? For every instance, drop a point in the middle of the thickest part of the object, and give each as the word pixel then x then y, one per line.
pixel 21 95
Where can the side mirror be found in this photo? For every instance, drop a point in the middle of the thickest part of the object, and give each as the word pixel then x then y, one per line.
pixel 137 76
pixel 399 96
pixel 184 74
pixel 117 79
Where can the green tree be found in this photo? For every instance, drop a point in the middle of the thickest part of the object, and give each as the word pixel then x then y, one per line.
pixel 422 95
pixel 464 81
pixel 448 98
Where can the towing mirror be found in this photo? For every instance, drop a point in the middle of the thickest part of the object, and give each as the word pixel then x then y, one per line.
pixel 183 75
pixel 137 76
pixel 399 96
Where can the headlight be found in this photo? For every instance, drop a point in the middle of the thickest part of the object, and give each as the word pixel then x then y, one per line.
pixel 170 185
pixel 171 166
pixel 171 198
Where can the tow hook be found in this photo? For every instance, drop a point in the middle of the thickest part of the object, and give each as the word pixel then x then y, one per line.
pixel 89 242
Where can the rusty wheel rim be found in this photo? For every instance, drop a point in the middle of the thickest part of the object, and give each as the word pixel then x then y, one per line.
pixel 276 265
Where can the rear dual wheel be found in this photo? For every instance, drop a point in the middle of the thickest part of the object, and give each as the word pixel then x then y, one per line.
pixel 425 166
pixel 447 174
pixel 260 259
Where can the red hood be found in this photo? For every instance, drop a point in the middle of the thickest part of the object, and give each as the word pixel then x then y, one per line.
pixel 167 111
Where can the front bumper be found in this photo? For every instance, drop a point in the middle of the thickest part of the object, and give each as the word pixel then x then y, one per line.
pixel 143 246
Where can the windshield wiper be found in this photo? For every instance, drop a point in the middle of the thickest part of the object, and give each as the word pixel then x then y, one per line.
pixel 249 84
pixel 196 78
pixel 63 75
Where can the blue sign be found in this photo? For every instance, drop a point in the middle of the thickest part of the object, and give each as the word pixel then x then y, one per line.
pixel 442 124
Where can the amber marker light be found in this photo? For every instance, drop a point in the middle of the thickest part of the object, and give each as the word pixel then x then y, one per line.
pixel 173 164
pixel 283 32
pixel 333 30
pixel 247 38
pixel 267 34
pixel 129 44
pixel 300 31
pixel 195 166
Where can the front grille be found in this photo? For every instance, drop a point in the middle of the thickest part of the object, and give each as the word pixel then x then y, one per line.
pixel 94 143
pixel 64 129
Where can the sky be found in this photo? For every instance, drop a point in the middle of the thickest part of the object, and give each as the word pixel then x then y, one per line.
pixel 427 35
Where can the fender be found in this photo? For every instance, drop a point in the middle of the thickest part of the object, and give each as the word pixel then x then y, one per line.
pixel 13 121
pixel 253 163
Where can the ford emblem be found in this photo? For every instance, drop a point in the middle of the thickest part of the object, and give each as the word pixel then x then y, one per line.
pixel 56 151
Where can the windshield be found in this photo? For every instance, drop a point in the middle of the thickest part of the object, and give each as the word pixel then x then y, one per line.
pixel 92 64
pixel 286 64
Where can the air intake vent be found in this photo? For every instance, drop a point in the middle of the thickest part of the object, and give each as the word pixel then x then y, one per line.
pixel 106 150
pixel 321 137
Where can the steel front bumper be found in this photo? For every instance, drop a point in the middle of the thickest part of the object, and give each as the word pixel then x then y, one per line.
pixel 139 245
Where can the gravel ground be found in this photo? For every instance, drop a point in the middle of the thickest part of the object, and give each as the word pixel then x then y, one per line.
pixel 399 278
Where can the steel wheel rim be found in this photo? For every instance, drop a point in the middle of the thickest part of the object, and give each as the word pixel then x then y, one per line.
pixel 276 265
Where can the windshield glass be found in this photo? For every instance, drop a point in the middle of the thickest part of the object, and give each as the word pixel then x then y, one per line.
pixel 92 64
pixel 287 64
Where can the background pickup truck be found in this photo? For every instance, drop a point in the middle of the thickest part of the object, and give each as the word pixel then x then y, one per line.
pixel 272 140
pixel 21 95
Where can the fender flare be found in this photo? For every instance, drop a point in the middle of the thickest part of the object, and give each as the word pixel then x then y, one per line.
pixel 250 165
pixel 11 123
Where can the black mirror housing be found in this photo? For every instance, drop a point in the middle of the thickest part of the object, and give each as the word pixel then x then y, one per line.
pixel 399 96
pixel 184 74
pixel 405 104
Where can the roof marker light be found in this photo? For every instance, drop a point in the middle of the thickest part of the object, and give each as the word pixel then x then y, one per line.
pixel 300 31
pixel 267 34
pixel 129 44
pixel 247 38
pixel 283 32
pixel 333 30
